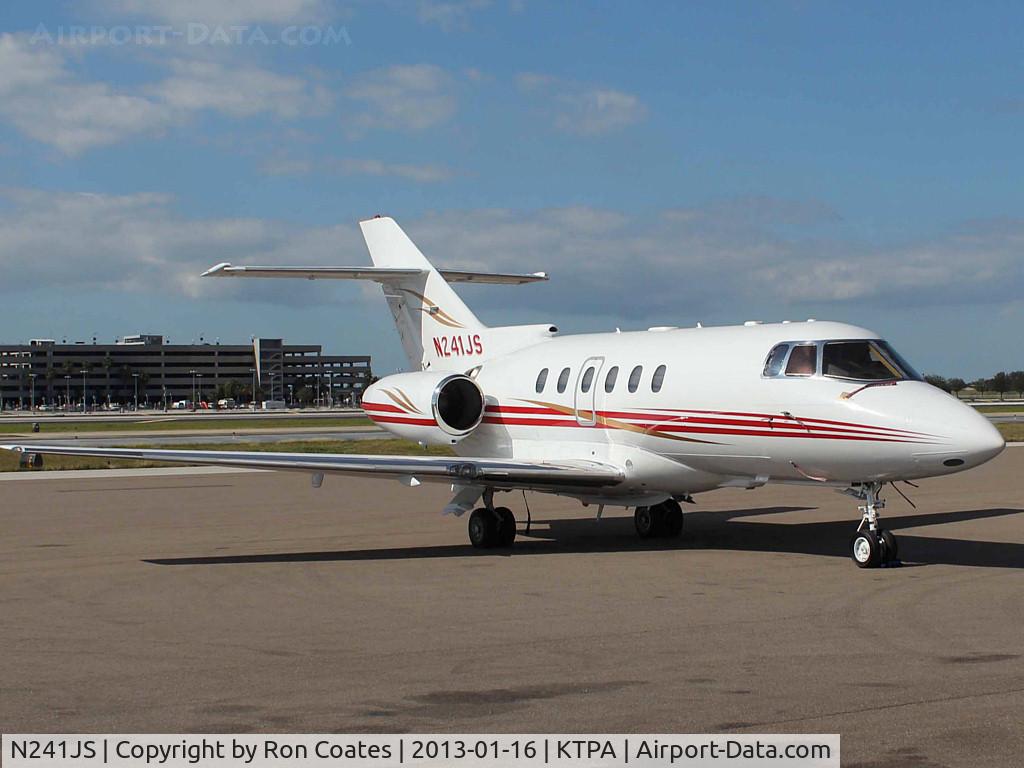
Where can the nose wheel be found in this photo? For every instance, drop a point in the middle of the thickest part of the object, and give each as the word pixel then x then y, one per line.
pixel 872 546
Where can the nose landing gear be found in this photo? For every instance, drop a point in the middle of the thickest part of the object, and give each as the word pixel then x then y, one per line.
pixel 871 546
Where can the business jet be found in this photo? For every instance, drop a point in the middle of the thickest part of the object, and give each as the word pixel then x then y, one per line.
pixel 642 420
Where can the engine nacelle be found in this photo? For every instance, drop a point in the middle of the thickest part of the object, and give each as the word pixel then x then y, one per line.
pixel 438 408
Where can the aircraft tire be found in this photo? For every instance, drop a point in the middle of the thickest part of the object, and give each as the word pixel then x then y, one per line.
pixel 645 519
pixel 865 549
pixel 890 547
pixel 506 534
pixel 483 529
pixel 672 519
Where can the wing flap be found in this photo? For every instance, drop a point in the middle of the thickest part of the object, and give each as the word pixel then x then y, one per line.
pixel 498 473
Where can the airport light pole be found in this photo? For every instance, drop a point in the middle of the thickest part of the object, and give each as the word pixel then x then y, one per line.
pixel 136 377
pixel 272 377
pixel 84 398
pixel 32 378
pixel 200 376
pixel 193 372
pixel 252 390
pixel 67 394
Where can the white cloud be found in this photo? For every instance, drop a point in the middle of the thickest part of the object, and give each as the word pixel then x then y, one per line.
pixel 225 12
pixel 401 98
pixel 40 98
pixel 237 91
pixel 653 267
pixel 139 244
pixel 46 102
pixel 583 110
pixel 449 14
pixel 283 164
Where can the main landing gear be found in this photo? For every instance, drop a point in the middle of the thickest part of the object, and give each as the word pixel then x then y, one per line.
pixel 494 527
pixel 661 521
pixel 872 546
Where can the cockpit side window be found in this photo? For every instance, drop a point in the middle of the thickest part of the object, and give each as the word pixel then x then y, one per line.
pixel 866 360
pixel 803 360
pixel 776 358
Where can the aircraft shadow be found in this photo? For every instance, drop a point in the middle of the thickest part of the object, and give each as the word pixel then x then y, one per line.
pixel 724 531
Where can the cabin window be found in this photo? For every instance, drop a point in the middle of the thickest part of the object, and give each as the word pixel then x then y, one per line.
pixel 610 377
pixel 803 360
pixel 634 378
pixel 658 379
pixel 542 380
pixel 776 359
pixel 563 380
pixel 588 379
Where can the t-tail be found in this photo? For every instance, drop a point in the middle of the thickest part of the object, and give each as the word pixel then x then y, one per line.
pixel 437 329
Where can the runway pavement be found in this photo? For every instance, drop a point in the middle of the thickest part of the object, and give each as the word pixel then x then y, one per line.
pixel 235 602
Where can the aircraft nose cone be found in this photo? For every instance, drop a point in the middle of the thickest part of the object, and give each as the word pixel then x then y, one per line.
pixel 974 435
pixel 984 441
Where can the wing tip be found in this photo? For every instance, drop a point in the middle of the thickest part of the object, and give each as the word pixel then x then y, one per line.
pixel 216 269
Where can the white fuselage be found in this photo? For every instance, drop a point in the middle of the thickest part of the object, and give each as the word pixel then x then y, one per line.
pixel 716 420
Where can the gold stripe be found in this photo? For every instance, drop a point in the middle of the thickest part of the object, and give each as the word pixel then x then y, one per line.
pixel 408 401
pixel 604 421
pixel 442 317
pixel 402 402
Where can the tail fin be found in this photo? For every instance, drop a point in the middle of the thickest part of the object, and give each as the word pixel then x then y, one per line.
pixel 429 315
pixel 437 329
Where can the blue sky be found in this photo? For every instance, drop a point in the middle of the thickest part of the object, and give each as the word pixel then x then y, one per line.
pixel 668 163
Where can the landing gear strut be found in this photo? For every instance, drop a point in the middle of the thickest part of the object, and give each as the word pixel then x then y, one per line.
pixel 663 520
pixel 489 528
pixel 872 546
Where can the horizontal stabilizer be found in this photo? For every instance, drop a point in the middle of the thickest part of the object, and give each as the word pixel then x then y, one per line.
pixel 380 274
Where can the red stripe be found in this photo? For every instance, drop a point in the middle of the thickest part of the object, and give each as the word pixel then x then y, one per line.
pixel 772 425
pixel 805 434
pixel 569 422
pixel 382 407
pixel 654 429
pixel 404 420
pixel 780 417
pixel 669 414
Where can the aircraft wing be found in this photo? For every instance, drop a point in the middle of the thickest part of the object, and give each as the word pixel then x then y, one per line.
pixel 497 473
pixel 380 274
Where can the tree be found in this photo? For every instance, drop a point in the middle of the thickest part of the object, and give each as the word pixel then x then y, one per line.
pixel 49 376
pixel 1000 383
pixel 305 395
pixel 981 385
pixel 956 385
pixel 938 381
pixel 1016 381
pixel 108 364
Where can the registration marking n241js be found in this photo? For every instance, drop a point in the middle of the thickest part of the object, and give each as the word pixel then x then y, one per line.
pixel 461 345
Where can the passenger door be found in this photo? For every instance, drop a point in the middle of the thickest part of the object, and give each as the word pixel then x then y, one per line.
pixel 585 394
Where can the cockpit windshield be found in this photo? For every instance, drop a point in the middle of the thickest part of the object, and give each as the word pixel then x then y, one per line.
pixel 857 359
pixel 869 360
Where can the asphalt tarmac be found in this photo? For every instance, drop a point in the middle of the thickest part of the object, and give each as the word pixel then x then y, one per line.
pixel 188 601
